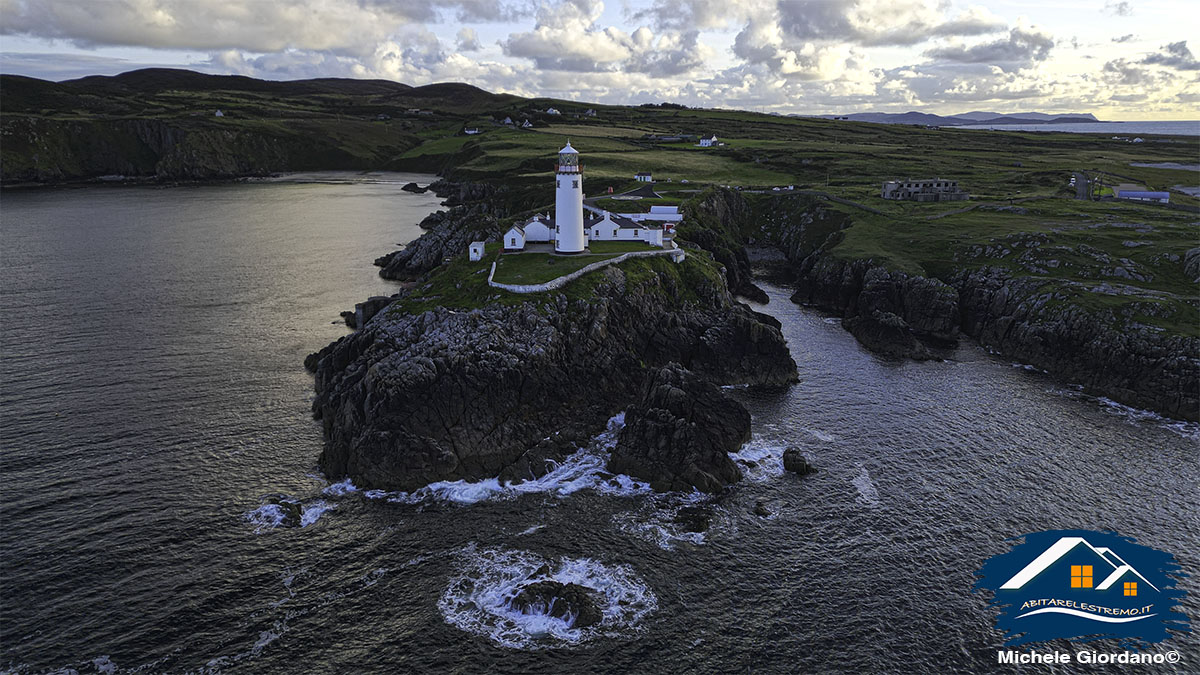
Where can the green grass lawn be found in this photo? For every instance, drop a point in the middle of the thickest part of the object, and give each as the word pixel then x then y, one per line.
pixel 538 268
pixel 620 247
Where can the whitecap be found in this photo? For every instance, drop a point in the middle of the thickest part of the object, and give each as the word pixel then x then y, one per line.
pixel 479 599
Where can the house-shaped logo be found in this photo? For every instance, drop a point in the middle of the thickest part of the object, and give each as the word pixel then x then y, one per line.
pixel 1083 585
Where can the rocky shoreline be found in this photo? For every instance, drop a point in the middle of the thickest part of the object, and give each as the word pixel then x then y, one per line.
pixel 907 316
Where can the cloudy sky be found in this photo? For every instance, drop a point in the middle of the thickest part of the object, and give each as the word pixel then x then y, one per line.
pixel 1128 59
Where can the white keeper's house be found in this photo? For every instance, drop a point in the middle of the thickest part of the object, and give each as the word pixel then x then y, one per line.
pixel 570 230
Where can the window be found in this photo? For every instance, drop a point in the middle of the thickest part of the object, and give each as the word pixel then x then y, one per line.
pixel 558 183
pixel 614 232
pixel 1130 588
pixel 1081 576
pixel 514 242
pixel 635 233
pixel 575 183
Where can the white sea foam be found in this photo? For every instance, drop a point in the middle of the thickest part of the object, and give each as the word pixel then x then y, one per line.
pixel 340 489
pixel 270 516
pixel 103 664
pixel 1190 430
pixel 760 459
pixel 1134 416
pixel 582 470
pixel 658 529
pixel 479 599
pixel 867 494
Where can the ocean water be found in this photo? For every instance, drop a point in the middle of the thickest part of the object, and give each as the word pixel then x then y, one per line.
pixel 156 427
pixel 1169 128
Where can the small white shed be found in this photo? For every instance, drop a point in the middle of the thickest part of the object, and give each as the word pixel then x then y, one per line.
pixel 475 251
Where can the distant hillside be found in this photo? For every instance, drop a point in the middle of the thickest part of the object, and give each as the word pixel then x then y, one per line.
pixel 163 123
pixel 975 117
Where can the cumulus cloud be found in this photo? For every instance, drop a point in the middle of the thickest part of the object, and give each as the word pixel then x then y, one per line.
pixel 1118 8
pixel 468 40
pixel 1175 55
pixel 1022 48
pixel 566 37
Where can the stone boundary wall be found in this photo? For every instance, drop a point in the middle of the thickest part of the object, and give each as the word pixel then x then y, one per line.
pixel 677 254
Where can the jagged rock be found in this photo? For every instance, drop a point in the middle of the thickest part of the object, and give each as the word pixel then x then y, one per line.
pixel 291 509
pixel 1191 264
pixel 680 435
pixel 448 235
pixel 410 399
pixel 367 309
pixel 571 602
pixel 887 335
pixel 760 509
pixel 413 187
pixel 348 318
pixel 797 463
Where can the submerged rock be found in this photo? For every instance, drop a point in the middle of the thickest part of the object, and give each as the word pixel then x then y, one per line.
pixel 680 435
pixel 760 509
pixel 797 463
pixel 570 602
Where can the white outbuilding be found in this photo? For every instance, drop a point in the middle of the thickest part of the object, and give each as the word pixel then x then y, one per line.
pixel 514 239
pixel 475 251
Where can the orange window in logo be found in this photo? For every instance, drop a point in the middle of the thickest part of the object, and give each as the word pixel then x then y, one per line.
pixel 1081 576
pixel 1130 588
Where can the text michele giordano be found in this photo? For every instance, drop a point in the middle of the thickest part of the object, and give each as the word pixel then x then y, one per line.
pixel 1087 656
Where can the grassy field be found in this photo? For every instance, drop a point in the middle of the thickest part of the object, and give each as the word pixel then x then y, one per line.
pixel 538 268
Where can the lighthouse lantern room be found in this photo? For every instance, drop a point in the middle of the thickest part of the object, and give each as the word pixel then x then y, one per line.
pixel 568 203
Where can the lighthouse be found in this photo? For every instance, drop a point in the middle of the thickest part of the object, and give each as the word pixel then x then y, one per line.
pixel 568 203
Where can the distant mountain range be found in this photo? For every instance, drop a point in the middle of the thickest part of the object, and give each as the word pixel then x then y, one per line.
pixel 974 117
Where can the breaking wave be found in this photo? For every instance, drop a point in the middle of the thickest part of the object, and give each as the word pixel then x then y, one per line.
pixel 479 598
pixel 583 470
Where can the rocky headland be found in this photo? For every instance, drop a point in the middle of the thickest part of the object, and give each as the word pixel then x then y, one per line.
pixel 504 389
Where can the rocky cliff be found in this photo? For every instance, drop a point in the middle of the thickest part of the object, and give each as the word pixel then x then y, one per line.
pixel 1025 317
pixel 414 398
pixel 42 150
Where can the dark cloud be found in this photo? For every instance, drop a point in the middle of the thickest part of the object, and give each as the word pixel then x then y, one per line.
pixel 1175 55
pixel 1021 49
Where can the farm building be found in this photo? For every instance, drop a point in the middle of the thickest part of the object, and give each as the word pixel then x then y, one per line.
pixel 643 177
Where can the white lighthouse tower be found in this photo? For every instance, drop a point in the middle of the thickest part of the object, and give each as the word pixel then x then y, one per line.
pixel 568 203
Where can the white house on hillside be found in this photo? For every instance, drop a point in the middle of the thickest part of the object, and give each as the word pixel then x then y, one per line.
pixel 643 177
pixel 552 111
pixel 708 141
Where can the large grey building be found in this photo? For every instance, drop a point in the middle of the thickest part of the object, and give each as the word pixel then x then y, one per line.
pixel 924 190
